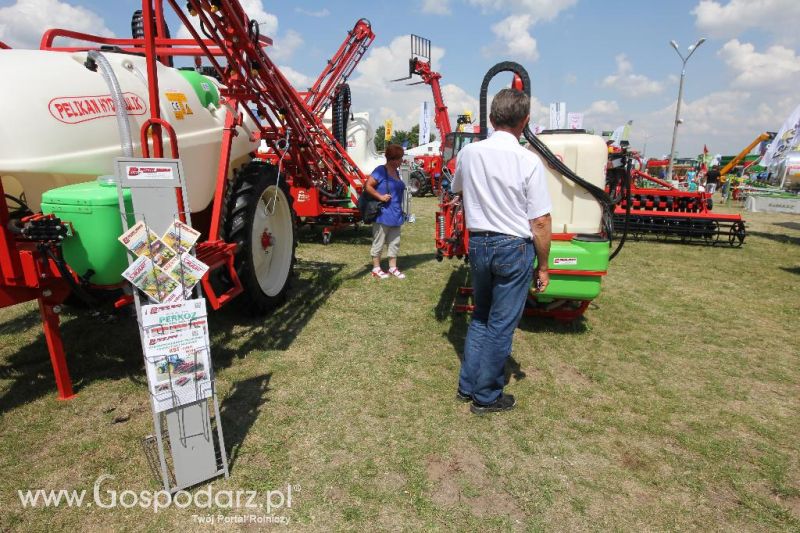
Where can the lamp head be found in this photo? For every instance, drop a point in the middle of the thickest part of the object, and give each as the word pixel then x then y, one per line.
pixel 674 45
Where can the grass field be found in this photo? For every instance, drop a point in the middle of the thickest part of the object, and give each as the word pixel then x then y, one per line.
pixel 673 404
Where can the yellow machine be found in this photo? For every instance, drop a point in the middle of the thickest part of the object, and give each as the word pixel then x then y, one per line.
pixel 766 136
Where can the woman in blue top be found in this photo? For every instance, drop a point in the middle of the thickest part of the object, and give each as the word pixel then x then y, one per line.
pixel 385 185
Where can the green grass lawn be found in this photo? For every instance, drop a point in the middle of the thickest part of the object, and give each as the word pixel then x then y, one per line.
pixel 673 404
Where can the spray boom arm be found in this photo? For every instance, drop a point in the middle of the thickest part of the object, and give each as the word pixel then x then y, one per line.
pixel 339 67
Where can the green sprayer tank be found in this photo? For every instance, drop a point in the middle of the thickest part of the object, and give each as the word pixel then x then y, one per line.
pixel 92 211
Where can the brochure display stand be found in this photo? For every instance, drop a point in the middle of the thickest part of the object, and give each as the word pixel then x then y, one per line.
pixel 173 326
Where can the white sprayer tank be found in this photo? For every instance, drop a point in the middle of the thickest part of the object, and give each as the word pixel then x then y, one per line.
pixel 59 126
pixel 360 141
pixel 574 209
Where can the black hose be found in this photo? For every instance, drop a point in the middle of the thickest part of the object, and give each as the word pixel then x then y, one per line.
pixel 504 66
pixel 626 187
pixel 137 30
pixel 340 113
pixel 65 272
pixel 254 31
pixel 23 208
pixel 599 194
pixel 336 195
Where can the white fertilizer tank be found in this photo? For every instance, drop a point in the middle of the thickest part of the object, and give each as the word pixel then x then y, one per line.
pixel 60 127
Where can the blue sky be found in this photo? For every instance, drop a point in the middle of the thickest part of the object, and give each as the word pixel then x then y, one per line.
pixel 610 60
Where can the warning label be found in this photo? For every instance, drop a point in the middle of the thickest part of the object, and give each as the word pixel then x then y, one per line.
pixel 149 173
pixel 77 109
pixel 565 260
pixel 179 105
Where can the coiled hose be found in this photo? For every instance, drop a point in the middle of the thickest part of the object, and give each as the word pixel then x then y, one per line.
pixel 341 113
pixel 597 193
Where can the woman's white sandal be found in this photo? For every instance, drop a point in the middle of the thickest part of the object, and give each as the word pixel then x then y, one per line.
pixel 378 273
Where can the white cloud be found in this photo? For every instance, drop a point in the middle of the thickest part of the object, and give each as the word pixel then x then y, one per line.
pixel 458 101
pixel 778 17
pixel 324 12
pixel 512 34
pixel 726 121
pixel 268 23
pixel 513 39
pixel 571 79
pixel 603 115
pixel 436 7
pixel 374 92
pixel 22 24
pixel 285 45
pixel 628 83
pixel 777 66
pixel 538 10
pixel 602 108
pixel 299 81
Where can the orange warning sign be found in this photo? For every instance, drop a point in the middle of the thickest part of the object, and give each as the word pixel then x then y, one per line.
pixel 179 104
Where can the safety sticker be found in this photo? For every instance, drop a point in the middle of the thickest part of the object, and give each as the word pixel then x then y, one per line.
pixel 565 261
pixel 179 105
pixel 136 172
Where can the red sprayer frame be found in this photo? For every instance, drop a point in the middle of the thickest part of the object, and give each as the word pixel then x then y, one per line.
pixel 27 272
pixel 251 80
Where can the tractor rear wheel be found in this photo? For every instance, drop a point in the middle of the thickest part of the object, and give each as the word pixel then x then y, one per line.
pixel 416 184
pixel 261 221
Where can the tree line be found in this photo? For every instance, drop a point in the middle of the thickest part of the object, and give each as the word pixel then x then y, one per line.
pixel 411 137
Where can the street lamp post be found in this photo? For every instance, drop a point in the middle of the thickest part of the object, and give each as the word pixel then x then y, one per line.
pixel 678 120
pixel 644 150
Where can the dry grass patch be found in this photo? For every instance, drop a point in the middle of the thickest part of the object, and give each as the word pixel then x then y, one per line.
pixel 672 405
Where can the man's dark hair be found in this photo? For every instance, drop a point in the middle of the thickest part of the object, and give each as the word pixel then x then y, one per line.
pixel 509 108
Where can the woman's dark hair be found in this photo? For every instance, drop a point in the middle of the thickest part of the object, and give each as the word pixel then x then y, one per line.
pixel 394 151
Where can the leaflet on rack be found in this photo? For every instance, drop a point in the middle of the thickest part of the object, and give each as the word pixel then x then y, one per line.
pixel 177 353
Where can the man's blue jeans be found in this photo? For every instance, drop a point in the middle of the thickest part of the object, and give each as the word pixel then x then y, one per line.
pixel 502 269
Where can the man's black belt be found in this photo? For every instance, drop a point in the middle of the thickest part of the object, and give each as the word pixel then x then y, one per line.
pixel 495 234
pixel 488 234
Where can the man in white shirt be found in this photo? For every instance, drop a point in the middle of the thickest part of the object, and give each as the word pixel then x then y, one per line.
pixel 507 207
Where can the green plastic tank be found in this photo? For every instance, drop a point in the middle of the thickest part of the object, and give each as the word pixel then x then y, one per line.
pixel 92 210
pixel 584 253
pixel 204 88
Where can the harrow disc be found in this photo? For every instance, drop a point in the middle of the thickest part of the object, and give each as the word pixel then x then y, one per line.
pixel 736 234
pixel 711 233
pixel 684 229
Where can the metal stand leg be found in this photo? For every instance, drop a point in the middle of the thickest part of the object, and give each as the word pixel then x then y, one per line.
pixel 162 460
pixel 223 453
pixel 56 348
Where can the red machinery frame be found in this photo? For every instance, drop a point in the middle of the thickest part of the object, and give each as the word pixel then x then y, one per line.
pixel 26 274
pixel 339 67
pixel 671 212
pixel 312 157
pixel 309 204
pixel 420 65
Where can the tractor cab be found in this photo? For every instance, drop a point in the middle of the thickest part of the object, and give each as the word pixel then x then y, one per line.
pixel 453 143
